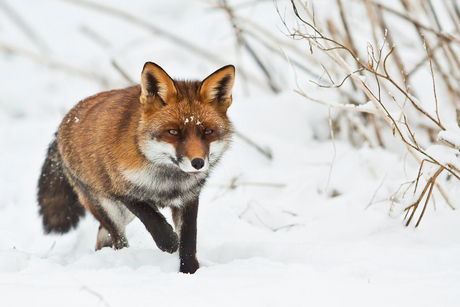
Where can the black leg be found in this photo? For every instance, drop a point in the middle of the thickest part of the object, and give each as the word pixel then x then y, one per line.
pixel 117 233
pixel 163 234
pixel 185 220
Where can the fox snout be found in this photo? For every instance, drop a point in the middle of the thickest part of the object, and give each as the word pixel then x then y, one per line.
pixel 189 161
pixel 198 163
pixel 194 165
pixel 192 152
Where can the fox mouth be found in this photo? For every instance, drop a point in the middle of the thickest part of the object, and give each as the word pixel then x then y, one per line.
pixel 191 167
pixel 195 173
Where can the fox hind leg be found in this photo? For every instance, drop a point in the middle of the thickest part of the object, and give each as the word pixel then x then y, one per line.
pixel 104 239
pixel 113 217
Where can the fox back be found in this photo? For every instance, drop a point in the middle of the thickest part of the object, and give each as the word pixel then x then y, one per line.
pixel 126 153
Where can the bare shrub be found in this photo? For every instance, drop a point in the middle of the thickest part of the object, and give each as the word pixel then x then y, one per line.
pixel 380 84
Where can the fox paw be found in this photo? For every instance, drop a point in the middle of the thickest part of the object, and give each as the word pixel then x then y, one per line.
pixel 189 265
pixel 169 244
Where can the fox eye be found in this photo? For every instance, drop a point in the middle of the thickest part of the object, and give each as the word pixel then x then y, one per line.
pixel 173 132
pixel 208 132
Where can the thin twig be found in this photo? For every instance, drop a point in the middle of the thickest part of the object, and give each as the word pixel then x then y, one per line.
pixel 262 222
pixel 422 61
pixel 441 35
pixel 265 152
pixel 401 127
pixel 347 30
pixel 26 29
pixel 99 296
pixel 44 60
pixel 414 206
pixel 434 85
pixel 375 193
pixel 242 41
pixel 449 53
pixel 452 15
pixel 349 107
pixel 389 37
pixel 454 94
pixel 335 150
pixel 96 37
pixel 147 25
pixel 235 184
pixel 123 73
pixel 157 30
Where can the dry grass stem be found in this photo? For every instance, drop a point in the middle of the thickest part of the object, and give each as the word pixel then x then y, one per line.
pixel 345 56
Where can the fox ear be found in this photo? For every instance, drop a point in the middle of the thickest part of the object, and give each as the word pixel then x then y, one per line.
pixel 217 87
pixel 157 87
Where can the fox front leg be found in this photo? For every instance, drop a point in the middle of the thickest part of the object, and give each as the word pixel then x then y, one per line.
pixel 162 233
pixel 185 222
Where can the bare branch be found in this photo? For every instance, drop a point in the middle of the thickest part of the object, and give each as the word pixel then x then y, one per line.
pixel 377 66
pixel 441 35
pixel 44 60
pixel 26 29
pixel 265 152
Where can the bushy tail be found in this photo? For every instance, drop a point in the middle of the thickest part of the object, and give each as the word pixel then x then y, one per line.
pixel 59 204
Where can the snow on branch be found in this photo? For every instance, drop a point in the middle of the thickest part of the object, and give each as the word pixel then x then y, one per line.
pixel 386 85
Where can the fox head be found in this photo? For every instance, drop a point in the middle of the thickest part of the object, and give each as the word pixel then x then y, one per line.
pixel 184 124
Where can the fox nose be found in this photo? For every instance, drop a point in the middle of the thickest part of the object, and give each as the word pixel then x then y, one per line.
pixel 198 163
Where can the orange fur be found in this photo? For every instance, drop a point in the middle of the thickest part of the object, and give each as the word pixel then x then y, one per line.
pixel 124 153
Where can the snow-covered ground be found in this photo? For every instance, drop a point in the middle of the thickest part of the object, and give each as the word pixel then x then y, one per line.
pixel 311 227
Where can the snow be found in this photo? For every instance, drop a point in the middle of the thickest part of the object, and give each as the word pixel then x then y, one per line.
pixel 450 136
pixel 278 232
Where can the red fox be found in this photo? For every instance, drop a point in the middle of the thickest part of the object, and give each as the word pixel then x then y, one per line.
pixel 126 153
